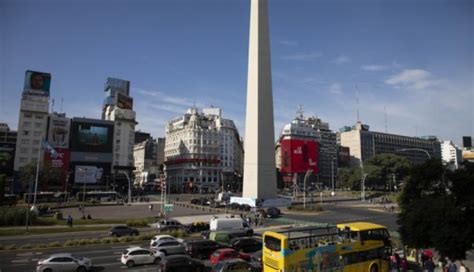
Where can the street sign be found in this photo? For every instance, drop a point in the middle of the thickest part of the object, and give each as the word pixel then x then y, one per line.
pixel 169 207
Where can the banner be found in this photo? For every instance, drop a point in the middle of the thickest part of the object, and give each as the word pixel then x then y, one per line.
pixel 91 137
pixel 87 174
pixel 58 133
pixel 298 156
pixel 38 82
pixel 62 159
pixel 124 102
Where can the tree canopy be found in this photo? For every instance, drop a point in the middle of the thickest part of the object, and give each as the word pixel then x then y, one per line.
pixel 48 176
pixel 437 208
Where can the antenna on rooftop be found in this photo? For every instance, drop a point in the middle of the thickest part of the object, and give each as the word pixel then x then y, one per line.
pixel 357 103
pixel 299 112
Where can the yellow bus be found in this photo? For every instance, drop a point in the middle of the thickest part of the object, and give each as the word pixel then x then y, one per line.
pixel 328 248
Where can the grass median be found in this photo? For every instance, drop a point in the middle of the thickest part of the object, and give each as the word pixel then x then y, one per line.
pixel 31 231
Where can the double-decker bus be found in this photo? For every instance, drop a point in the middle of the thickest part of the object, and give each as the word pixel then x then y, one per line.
pixel 326 248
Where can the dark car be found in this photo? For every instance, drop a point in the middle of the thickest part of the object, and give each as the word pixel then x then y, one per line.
pixel 195 201
pixel 234 206
pixel 181 263
pixel 245 207
pixel 235 265
pixel 197 227
pixel 118 231
pixel 273 212
pixel 201 249
pixel 246 244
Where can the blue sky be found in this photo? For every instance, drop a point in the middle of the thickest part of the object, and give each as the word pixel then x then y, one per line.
pixel 412 57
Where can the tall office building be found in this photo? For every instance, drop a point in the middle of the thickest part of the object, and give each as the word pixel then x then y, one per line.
pixel 451 154
pixel 364 144
pixel 118 107
pixel 33 119
pixel 7 149
pixel 202 152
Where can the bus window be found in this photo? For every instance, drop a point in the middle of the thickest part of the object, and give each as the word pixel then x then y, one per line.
pixel 272 243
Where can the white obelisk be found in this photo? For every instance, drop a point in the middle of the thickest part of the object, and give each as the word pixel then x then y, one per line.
pixel 259 161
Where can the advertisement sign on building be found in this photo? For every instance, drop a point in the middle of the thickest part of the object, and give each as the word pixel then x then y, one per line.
pixel 298 156
pixel 37 82
pixel 62 159
pixel 58 134
pixel 7 158
pixel 87 174
pixel 124 102
pixel 91 137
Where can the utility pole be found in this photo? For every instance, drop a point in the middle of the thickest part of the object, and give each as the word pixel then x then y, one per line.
pixel 332 176
pixel 362 184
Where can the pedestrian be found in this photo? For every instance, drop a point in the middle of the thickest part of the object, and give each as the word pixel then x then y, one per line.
pixel 150 207
pixel 463 268
pixel 404 264
pixel 451 267
pixel 69 221
pixel 256 221
pixel 393 264
pixel 429 265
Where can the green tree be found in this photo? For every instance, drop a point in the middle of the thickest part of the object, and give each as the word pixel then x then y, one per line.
pixel 437 209
pixel 48 176
pixel 349 178
pixel 3 179
pixel 381 168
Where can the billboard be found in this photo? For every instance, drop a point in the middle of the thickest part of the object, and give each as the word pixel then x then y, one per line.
pixel 124 102
pixel 117 84
pixel 58 132
pixel 298 156
pixel 61 161
pixel 7 158
pixel 88 174
pixel 467 142
pixel 38 82
pixel 91 137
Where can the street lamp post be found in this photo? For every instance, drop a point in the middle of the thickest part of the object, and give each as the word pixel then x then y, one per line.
pixel 129 188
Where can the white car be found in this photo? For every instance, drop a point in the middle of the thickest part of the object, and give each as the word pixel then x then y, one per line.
pixel 64 262
pixel 164 237
pixel 137 255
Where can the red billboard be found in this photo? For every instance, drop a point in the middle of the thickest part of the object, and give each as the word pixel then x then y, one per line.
pixel 61 161
pixel 297 156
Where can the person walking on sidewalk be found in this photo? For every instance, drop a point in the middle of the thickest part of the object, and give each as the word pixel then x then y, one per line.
pixel 69 221
pixel 429 265
pixel 463 268
pixel 451 267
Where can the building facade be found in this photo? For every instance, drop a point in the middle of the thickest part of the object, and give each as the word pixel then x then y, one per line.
pixel 7 149
pixel 451 155
pixel 200 149
pixel 33 119
pixel 364 144
pixel 118 107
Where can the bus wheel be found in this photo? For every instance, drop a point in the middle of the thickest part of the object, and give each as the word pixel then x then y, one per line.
pixel 374 268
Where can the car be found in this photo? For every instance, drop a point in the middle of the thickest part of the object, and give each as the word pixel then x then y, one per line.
pixel 234 206
pixel 168 247
pixel 200 248
pixel 235 265
pixel 181 263
pixel 246 244
pixel 119 231
pixel 273 212
pixel 245 207
pixel 137 255
pixel 195 201
pixel 228 253
pixel 197 227
pixel 256 257
pixel 169 225
pixel 64 262
pixel 164 237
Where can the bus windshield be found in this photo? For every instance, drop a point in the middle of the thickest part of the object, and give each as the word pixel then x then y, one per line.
pixel 272 243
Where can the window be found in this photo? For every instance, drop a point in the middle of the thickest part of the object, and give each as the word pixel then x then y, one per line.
pixel 27 115
pixel 272 243
pixel 38 125
pixel 26 132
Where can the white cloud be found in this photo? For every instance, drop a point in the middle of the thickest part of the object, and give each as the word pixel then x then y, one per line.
pixel 288 42
pixel 340 60
pixel 335 88
pixel 374 67
pixel 303 56
pixel 412 79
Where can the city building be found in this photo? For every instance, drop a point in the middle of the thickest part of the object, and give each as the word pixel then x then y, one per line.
pixel 149 157
pixel 200 149
pixel 467 149
pixel 307 143
pixel 141 136
pixel 118 107
pixel 7 149
pixel 364 144
pixel 451 154
pixel 91 147
pixel 33 118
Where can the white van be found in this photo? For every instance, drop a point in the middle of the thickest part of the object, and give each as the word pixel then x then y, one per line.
pixel 229 224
